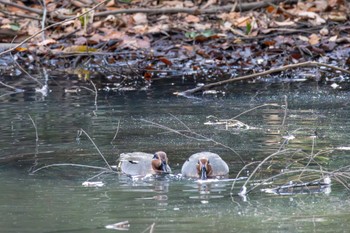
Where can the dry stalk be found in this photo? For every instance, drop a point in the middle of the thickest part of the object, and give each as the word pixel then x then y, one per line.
pixel 188 133
pixel 36 129
pixel 263 162
pixel 256 75
pixel 74 165
pixel 116 133
pixel 98 150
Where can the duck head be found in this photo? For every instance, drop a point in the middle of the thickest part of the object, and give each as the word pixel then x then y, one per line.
pixel 160 162
pixel 204 168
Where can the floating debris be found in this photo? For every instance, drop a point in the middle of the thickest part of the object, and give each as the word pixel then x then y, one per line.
pixel 343 148
pixel 228 123
pixel 121 226
pixel 93 184
pixel 335 86
pixel 289 137
pixel 302 188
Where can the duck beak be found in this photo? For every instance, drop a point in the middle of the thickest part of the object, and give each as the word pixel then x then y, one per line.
pixel 164 166
pixel 203 173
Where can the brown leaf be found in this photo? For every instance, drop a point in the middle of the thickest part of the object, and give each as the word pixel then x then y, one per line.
pixel 47 42
pixel 338 16
pixel 140 18
pixel 314 39
pixel 165 61
pixel 269 42
pixel 192 19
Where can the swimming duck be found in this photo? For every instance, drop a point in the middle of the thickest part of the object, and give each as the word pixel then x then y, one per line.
pixel 204 165
pixel 140 163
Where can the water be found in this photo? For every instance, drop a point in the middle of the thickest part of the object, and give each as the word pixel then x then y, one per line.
pixel 54 199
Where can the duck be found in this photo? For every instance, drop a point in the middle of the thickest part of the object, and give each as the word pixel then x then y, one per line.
pixel 204 165
pixel 142 164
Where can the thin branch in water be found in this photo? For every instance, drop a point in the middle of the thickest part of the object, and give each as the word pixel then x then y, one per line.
pixel 99 174
pixel 249 110
pixel 72 164
pixel 24 71
pixel 150 228
pixel 262 163
pixel 285 111
pixel 290 172
pixel 116 133
pixel 36 129
pixel 98 150
pixel 196 136
pixel 96 93
pixel 17 90
pixel 260 74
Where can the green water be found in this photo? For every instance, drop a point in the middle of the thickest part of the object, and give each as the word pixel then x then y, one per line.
pixel 54 199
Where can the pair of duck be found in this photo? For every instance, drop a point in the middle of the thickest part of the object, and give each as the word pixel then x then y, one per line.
pixel 201 165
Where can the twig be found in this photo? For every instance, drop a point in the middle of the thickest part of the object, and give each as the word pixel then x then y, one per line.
pixel 71 164
pixel 249 110
pixel 116 133
pixel 24 71
pixel 150 228
pixel 250 76
pixel 211 10
pixel 98 150
pixel 33 10
pixel 11 87
pixel 262 162
pixel 192 135
pixel 43 20
pixel 96 93
pixel 101 173
pixel 36 129
pixel 294 171
pixel 285 111
pixel 50 26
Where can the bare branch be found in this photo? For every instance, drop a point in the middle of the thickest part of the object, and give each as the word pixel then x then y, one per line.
pixel 264 73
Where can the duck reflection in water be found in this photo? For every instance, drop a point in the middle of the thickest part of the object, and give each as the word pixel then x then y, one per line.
pixel 204 165
pixel 142 164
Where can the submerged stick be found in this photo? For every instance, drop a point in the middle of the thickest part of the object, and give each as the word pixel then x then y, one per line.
pixel 98 150
pixel 191 135
pixel 70 164
pixel 36 129
pixel 256 75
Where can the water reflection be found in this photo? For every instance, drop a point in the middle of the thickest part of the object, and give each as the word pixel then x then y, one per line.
pixel 152 188
pixel 54 200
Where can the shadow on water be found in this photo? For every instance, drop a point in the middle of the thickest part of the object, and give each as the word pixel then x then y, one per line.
pixel 54 200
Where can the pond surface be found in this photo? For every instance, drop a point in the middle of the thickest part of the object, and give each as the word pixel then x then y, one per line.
pixel 54 199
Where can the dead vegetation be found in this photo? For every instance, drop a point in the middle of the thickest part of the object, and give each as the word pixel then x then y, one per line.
pixel 144 41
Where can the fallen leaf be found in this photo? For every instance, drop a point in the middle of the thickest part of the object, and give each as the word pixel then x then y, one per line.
pixel 324 31
pixel 165 61
pixel 192 19
pixel 337 16
pixel 314 39
pixel 79 49
pixel 314 18
pixel 47 42
pixel 140 18
pixel 303 38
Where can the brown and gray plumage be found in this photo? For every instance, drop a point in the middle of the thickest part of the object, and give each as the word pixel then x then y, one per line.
pixel 140 163
pixel 204 165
